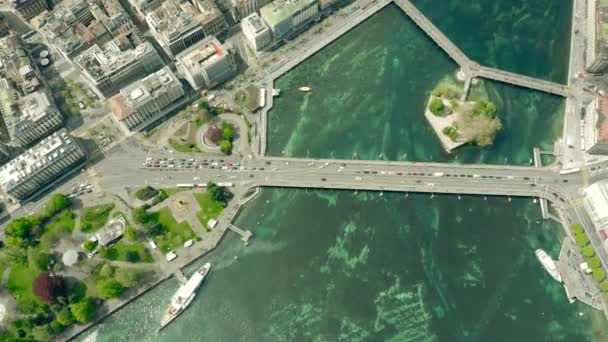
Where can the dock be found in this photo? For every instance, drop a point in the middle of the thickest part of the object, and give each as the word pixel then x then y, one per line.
pixel 180 276
pixel 578 285
pixel 245 234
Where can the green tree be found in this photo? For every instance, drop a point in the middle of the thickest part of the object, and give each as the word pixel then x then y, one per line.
pixel 109 288
pixel 146 193
pixel 89 246
pixel 127 277
pixel 76 291
pixel 37 259
pixel 19 228
pixel 56 327
pixel 84 311
pixel 227 131
pixel 64 316
pixel 436 106
pixel 598 274
pixel 490 109
pixel 41 332
pixel 130 233
pixel 226 146
pixel 593 262
pixel 577 229
pixel 140 216
pixel 132 256
pixel 582 240
pixel 55 204
pixel 604 286
pixel 587 251
pixel 106 271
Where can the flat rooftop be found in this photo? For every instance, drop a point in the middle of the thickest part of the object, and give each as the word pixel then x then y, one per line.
pixel 47 151
pixel 279 10
pixel 201 55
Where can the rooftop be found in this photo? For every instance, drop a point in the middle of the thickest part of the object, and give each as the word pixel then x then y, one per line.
pixel 208 11
pixel 172 20
pixel 601 26
pixel 201 55
pixel 100 62
pixel 47 151
pixel 279 10
pixel 602 118
pixel 255 22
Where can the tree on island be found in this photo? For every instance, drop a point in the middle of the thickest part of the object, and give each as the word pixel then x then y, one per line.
pixel 48 287
pixel 436 106
pixel 479 124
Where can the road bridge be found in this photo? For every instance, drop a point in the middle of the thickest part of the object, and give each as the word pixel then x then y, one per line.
pixel 469 67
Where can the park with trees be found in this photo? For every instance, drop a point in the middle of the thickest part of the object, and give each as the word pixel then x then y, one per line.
pixel 48 296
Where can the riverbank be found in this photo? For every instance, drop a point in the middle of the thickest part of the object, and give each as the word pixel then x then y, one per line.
pixel 186 258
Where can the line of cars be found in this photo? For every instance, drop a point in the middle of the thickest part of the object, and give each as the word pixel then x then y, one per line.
pixel 183 163
pixel 81 189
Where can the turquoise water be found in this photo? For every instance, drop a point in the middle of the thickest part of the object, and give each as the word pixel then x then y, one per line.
pixel 369 92
pixel 332 266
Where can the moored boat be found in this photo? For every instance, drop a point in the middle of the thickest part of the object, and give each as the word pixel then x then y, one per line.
pixel 548 264
pixel 305 89
pixel 184 295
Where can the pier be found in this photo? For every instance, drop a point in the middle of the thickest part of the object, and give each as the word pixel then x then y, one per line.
pixel 180 276
pixel 577 284
pixel 245 234
pixel 470 67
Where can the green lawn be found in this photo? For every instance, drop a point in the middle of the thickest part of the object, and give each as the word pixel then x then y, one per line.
pixel 183 147
pixel 248 97
pixel 210 209
pixel 20 281
pixel 177 233
pixel 93 218
pixel 63 222
pixel 172 191
pixel 130 252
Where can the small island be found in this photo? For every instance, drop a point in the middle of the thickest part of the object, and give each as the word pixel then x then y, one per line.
pixel 457 122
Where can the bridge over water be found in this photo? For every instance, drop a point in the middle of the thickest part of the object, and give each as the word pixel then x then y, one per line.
pixel 470 67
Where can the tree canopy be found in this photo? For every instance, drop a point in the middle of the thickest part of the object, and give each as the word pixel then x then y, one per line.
pixel 109 288
pixel 83 311
pixel 48 287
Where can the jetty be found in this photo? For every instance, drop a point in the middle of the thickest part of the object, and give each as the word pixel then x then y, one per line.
pixel 245 234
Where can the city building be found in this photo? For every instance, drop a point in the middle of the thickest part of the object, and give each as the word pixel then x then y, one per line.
pixel 596 202
pixel 256 32
pixel 206 64
pixel 595 128
pixel 27 112
pixel 211 18
pixel 40 166
pixel 16 67
pixel 112 68
pixel 30 8
pixel 142 7
pixel 285 16
pixel 175 26
pixel 74 25
pixel 143 102
pixel 596 49
pixel 325 4
pixel 38 118
pixel 243 8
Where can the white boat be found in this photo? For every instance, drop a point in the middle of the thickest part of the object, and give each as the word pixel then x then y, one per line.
pixel 305 89
pixel 184 295
pixel 548 264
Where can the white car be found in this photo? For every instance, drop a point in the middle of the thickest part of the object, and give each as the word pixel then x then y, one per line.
pixel 171 256
pixel 188 243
